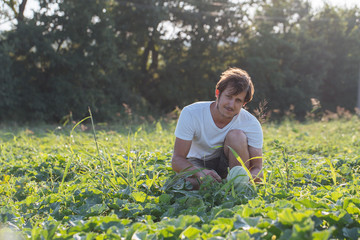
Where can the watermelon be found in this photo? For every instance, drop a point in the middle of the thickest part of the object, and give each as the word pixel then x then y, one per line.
pixel 238 173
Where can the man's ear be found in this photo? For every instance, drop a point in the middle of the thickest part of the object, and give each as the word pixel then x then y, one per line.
pixel 217 93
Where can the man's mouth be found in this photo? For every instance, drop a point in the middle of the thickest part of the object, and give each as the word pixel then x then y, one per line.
pixel 229 109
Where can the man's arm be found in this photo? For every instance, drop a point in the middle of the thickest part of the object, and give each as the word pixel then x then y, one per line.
pixel 256 163
pixel 180 163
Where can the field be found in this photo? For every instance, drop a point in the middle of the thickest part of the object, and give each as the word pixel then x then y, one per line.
pixel 117 183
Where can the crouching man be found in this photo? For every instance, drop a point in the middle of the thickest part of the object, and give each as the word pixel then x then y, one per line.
pixel 206 130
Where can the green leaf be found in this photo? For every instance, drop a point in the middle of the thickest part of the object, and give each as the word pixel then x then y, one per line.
pixel 338 218
pixel 303 230
pixel 286 234
pixel 190 233
pixel 351 233
pixel 348 201
pixel 333 172
pixel 312 204
pixel 322 235
pixel 96 209
pixel 240 223
pixel 289 217
pixel 139 196
pixel 243 235
pixel 165 198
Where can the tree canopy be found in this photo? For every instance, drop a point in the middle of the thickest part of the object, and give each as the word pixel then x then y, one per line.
pixel 156 55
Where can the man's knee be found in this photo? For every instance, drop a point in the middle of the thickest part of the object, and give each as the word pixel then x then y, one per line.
pixel 236 136
pixel 237 140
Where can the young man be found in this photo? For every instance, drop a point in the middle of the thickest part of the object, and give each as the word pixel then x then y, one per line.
pixel 206 130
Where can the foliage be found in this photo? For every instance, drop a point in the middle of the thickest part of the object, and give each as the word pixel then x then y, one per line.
pixel 123 189
pixel 302 55
pixel 156 55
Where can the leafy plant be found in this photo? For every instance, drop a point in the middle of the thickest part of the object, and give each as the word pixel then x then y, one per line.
pixel 52 185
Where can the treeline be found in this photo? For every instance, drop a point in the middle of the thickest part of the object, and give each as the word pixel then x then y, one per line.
pixel 153 55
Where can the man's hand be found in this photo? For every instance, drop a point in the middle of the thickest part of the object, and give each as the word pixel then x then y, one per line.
pixel 257 175
pixel 179 163
pixel 206 172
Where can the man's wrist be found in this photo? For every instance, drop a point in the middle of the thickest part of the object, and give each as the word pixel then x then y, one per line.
pixel 256 173
pixel 193 168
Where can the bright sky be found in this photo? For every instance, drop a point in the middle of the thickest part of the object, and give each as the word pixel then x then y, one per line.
pixel 340 3
pixel 33 5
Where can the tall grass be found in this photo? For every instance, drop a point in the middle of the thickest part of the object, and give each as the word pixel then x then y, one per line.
pixel 72 154
pixel 332 169
pixel 285 159
pixel 252 180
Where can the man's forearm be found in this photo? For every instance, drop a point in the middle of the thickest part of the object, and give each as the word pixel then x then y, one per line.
pixel 180 164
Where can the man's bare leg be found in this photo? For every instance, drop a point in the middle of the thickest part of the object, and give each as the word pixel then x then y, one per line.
pixel 237 140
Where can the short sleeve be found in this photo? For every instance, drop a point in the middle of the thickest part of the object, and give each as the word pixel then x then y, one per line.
pixel 185 126
pixel 255 135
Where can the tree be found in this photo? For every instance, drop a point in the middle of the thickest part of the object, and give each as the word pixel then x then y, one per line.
pixel 199 51
pixel 13 9
pixel 159 54
pixel 303 55
pixel 69 61
pixel 138 40
pixel 341 40
pixel 274 57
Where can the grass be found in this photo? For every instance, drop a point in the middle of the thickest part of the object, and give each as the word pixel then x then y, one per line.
pixel 117 183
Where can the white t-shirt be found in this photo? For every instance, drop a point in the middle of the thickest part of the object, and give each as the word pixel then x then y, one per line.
pixel 196 124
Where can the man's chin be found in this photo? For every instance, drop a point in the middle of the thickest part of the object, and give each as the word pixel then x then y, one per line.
pixel 231 114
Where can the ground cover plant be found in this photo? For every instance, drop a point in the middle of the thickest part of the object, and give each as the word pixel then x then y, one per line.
pixel 116 183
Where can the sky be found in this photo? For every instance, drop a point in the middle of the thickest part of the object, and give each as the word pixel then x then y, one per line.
pixel 33 5
pixel 340 3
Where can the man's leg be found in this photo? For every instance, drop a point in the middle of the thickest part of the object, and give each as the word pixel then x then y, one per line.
pixel 237 140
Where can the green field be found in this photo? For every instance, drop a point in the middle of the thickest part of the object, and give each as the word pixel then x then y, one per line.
pixel 61 184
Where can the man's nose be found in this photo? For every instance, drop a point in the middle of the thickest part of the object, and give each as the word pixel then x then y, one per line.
pixel 231 102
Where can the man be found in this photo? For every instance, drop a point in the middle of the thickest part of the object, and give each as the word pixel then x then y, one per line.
pixel 206 130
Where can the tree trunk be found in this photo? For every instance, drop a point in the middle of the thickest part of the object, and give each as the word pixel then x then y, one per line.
pixel 20 16
pixel 154 56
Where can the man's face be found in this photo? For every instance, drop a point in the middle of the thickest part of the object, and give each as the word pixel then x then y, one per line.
pixel 229 105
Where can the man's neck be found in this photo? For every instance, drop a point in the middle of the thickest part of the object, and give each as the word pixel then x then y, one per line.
pixel 219 120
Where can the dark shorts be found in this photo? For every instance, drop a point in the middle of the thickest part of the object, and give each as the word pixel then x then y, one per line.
pixel 216 161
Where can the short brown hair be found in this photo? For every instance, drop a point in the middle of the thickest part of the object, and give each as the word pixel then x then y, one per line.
pixel 239 80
